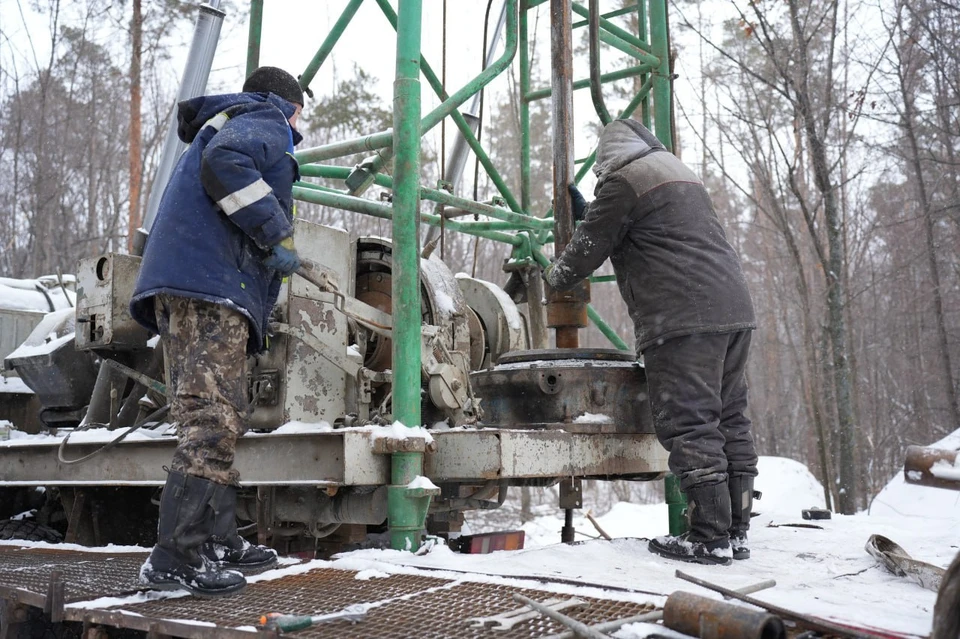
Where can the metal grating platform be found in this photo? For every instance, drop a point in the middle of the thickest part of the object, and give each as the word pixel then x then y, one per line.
pixel 399 605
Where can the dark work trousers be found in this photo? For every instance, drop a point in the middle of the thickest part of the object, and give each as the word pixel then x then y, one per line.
pixel 204 345
pixel 698 395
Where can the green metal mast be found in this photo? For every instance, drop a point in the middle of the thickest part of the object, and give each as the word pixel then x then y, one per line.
pixel 406 508
pixel 508 219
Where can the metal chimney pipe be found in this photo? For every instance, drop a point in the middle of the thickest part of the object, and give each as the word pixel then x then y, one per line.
pixel 206 34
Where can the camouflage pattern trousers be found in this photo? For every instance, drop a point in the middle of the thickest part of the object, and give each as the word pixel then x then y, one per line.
pixel 204 346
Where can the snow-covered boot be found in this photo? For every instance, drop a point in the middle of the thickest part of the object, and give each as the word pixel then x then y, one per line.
pixel 186 521
pixel 228 549
pixel 741 506
pixel 707 541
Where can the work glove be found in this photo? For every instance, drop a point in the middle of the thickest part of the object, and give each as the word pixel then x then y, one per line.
pixel 283 258
pixel 579 204
pixel 546 272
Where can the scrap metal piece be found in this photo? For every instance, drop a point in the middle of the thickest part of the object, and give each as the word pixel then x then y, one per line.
pixel 938 468
pixel 808 621
pixel 711 619
pixel 507 620
pixel 899 562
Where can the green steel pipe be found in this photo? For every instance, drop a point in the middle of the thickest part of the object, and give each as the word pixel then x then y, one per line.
pixel 613 29
pixel 343 201
pixel 641 8
pixel 676 505
pixel 524 46
pixel 485 209
pixel 484 78
pixel 372 142
pixel 596 279
pixel 605 329
pixel 626 113
pixel 642 33
pixel 315 187
pixel 329 42
pixel 405 467
pixel 449 105
pixel 253 37
pixel 632 51
pixel 340 173
pixel 662 89
pixel 610 14
pixel 382 140
pixel 629 72
pixel 347 202
pixel 434 195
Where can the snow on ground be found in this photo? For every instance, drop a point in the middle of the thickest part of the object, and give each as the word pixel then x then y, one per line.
pixel 819 571
pixel 822 570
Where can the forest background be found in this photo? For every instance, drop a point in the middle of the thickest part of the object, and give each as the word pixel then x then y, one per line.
pixel 825 130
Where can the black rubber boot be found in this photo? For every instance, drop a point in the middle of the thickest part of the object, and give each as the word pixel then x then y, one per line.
pixel 741 506
pixel 226 548
pixel 186 521
pixel 707 541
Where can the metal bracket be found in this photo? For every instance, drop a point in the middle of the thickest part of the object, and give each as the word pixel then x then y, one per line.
pixel 571 493
pixel 53 605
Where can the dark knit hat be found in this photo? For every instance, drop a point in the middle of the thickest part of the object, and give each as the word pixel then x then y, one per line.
pixel 276 81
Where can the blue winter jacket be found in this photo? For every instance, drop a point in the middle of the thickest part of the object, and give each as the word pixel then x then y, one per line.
pixel 227 203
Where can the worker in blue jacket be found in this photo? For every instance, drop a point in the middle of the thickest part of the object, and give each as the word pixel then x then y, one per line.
pixel 212 267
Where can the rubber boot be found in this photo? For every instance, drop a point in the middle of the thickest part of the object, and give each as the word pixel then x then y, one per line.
pixel 186 522
pixel 707 541
pixel 741 506
pixel 226 548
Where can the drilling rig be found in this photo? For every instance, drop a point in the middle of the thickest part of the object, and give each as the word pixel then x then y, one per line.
pixel 384 367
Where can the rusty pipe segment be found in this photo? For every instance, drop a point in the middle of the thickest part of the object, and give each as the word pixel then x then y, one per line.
pixel 933 467
pixel 706 618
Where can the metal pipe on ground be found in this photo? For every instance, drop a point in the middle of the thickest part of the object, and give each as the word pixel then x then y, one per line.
pixel 712 619
pixel 933 467
pixel 656 615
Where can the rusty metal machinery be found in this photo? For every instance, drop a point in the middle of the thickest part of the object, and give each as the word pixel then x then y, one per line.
pixel 577 390
pixel 372 333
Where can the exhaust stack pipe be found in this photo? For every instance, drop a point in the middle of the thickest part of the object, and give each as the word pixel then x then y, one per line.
pixel 194 82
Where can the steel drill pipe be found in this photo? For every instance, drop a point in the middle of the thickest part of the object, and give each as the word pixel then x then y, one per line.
pixel 932 467
pixel 712 619
pixel 566 310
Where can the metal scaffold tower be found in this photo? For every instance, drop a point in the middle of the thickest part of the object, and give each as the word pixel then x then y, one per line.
pixel 513 223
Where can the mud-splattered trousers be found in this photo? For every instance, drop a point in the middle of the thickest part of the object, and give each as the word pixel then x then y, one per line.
pixel 698 395
pixel 204 346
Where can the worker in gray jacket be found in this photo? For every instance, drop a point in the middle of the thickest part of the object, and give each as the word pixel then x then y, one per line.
pixel 693 317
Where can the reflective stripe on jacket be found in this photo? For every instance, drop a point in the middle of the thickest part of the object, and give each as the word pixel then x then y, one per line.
pixel 228 201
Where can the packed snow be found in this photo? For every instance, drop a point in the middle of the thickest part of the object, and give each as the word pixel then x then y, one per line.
pixel 42 294
pixel 820 567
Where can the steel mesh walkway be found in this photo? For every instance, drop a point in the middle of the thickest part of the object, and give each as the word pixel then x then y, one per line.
pixel 400 605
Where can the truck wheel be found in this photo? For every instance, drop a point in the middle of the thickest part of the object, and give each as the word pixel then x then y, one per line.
pixel 28 530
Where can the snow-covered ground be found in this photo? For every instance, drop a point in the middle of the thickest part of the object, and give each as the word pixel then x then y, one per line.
pixel 822 571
